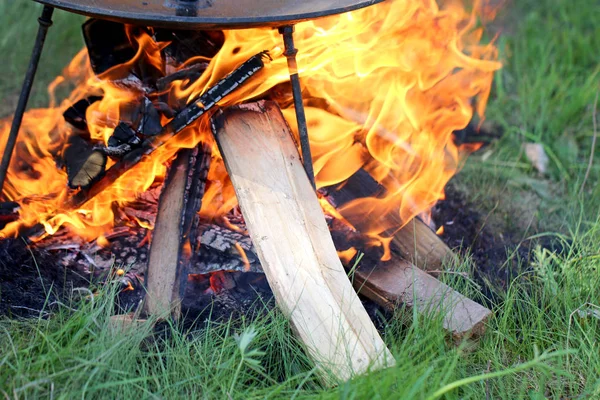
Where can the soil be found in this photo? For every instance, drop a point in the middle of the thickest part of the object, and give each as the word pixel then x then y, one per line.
pixel 31 282
pixel 498 256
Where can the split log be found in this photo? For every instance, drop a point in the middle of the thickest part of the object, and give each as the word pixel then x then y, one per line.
pixel 400 282
pixel 176 224
pixel 85 165
pixel 419 244
pixel 287 226
pixel 416 241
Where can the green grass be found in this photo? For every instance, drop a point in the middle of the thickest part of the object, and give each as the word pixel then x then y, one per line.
pixel 545 95
pixel 544 338
pixel 542 342
pixel 18 32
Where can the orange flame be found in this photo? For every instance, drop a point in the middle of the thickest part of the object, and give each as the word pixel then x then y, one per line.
pixel 386 86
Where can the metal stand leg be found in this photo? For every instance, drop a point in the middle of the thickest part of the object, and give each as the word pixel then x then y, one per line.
pixel 45 22
pixel 290 53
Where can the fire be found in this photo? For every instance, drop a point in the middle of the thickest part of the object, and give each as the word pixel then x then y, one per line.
pixel 385 86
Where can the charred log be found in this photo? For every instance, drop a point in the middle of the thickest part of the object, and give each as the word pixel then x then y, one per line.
pixel 85 165
pixel 186 44
pixel 75 115
pixel 176 226
pixel 182 120
pixel 107 43
pixel 416 241
pixel 222 249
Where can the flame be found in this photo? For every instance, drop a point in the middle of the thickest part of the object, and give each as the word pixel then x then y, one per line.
pixel 243 256
pixel 385 88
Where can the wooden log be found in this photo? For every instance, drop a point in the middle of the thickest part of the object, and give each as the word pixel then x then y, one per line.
pixel 176 222
pixel 287 226
pixel 420 245
pixel 85 165
pixel 400 282
pixel 415 241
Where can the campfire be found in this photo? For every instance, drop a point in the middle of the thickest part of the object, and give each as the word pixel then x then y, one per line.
pixel 175 158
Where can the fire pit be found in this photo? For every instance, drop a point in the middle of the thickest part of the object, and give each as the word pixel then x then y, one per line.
pixel 141 109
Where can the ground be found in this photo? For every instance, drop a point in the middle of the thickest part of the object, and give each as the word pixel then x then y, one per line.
pixel 529 245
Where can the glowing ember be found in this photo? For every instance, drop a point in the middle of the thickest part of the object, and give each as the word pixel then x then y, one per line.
pixel 392 82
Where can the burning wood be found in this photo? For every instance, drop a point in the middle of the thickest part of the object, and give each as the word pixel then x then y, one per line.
pixel 399 130
pixel 415 241
pixel 75 115
pixel 182 120
pixel 85 165
pixel 174 238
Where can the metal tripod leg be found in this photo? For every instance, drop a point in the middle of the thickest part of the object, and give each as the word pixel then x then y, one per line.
pixel 290 53
pixel 45 22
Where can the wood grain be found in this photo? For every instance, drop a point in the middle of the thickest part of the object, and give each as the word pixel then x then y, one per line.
pixel 175 229
pixel 288 229
pixel 399 282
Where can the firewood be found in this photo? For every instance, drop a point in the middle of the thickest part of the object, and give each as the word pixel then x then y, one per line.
pixel 419 244
pixel 416 242
pixel 287 226
pixel 222 249
pixel 174 232
pixel 85 165
pixel 400 282
pixel 197 108
pixel 75 115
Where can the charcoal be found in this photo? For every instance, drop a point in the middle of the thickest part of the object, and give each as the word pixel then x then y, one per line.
pixel 149 124
pixel 122 141
pixel 107 43
pixel 75 115
pixel 123 133
pixel 190 73
pixel 9 212
pixel 188 44
pixel 85 164
pixel 165 109
pixel 141 115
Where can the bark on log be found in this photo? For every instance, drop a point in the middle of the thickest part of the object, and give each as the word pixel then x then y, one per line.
pixel 288 228
pixel 400 282
pixel 416 242
pixel 174 232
